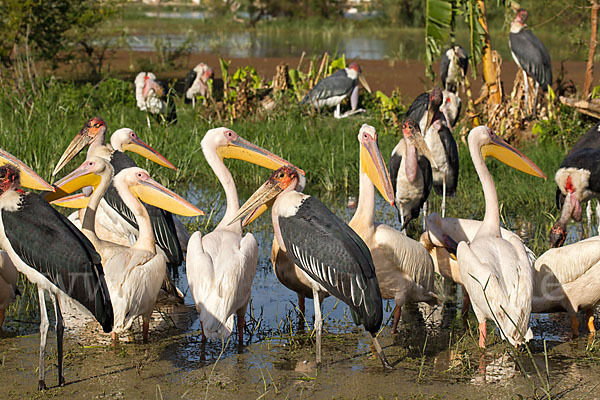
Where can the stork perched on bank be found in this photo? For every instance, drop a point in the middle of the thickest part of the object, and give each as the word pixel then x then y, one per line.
pixel 221 264
pixel 154 97
pixel 531 56
pixel 134 274
pixel 440 141
pixel 51 252
pixel 496 272
pixel 332 90
pixel 327 250
pixel 410 172
pixel 453 68
pixel 590 140
pixel 196 83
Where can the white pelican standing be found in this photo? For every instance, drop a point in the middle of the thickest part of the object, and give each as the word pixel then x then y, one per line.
pixel 403 266
pixel 51 252
pixel 221 264
pixel 491 262
pixel 133 274
pixel 333 257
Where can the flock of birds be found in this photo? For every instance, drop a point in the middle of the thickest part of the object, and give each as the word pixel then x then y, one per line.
pixel 110 258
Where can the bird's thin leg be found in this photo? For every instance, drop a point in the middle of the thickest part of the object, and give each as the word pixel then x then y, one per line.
pixel 526 83
pixel 589 317
pixel 574 326
pixel 43 335
pixel 402 221
pixel 443 196
pixel 465 307
pixel 301 308
pixel 241 322
pixel 384 361
pixel 397 314
pixel 588 213
pixel 597 220
pixel 145 328
pixel 424 216
pixel 318 322
pixel 194 102
pixel 482 334
pixel 148 120
pixel 337 112
pixel 535 98
pixel 60 330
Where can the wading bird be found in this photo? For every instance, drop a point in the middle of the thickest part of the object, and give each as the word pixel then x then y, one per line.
pixel 453 68
pixel 328 251
pixel 221 264
pixel 8 284
pixel 51 252
pixel 196 83
pixel 497 272
pixel 115 220
pixel 336 87
pixel 134 274
pixel 154 97
pixel 440 141
pixel 567 279
pixel 531 56
pixel 403 266
pixel 578 180
pixel 410 172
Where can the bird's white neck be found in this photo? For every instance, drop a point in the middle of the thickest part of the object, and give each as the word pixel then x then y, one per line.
pixel 88 225
pixel 365 209
pixel 145 240
pixel 231 195
pixel 491 220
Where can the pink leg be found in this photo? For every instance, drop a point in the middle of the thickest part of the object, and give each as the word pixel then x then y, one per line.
pixel 202 329
pixel 589 317
pixel 574 326
pixel 466 306
pixel 114 338
pixel 482 334
pixel 241 322
pixel 145 328
pixel 397 314
pixel 301 307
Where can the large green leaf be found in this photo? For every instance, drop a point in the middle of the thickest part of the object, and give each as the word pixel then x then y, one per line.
pixel 439 16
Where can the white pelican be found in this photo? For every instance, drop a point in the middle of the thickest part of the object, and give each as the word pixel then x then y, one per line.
pixel 328 251
pixel 51 252
pixel 221 264
pixel 403 266
pixel 498 265
pixel 134 274
pixel 8 284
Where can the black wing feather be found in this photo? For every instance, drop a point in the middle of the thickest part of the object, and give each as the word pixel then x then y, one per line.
pixel 189 81
pixel 418 107
pixel 332 254
pixel 588 159
pixel 533 56
pixel 394 167
pixel 451 150
pixel 48 242
pixel 444 64
pixel 591 139
pixel 336 84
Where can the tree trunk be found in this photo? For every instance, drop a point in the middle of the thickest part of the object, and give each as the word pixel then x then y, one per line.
pixel 589 71
pixel 489 69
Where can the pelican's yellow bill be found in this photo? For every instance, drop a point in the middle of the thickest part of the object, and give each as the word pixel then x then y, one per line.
pixel 148 152
pixel 78 200
pixel 512 157
pixel 374 166
pixel 29 178
pixel 153 193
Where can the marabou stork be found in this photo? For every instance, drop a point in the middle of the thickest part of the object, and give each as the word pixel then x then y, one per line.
pixel 133 274
pixel 530 54
pixel 403 267
pixel 440 141
pixel 8 284
pixel 336 87
pixel 410 172
pixel 497 272
pixel 221 264
pixel 453 68
pixel 115 215
pixel 580 170
pixel 333 256
pixel 441 239
pixel 196 82
pixel 450 108
pixel 154 97
pixel 52 253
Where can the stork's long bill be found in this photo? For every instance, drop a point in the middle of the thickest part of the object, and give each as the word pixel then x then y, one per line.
pixel 29 178
pixel 363 81
pixel 512 157
pixel 412 132
pixel 372 163
pixel 91 129
pixel 264 197
pixel 146 189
